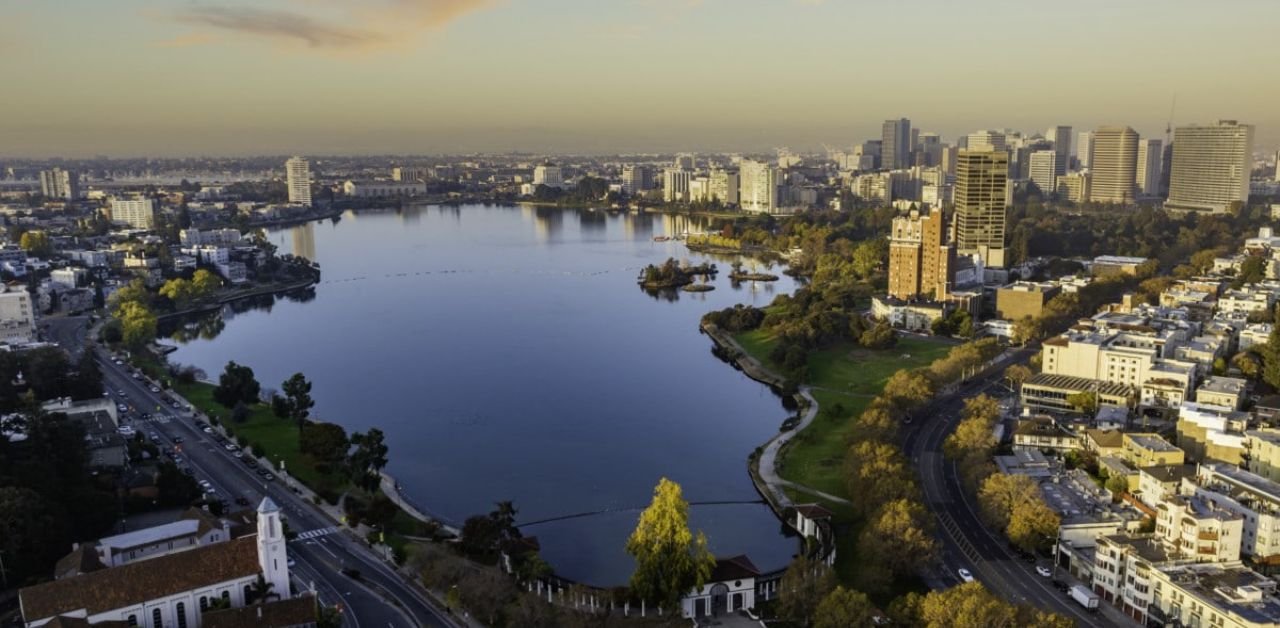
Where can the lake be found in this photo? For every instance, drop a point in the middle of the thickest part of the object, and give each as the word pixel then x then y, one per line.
pixel 508 354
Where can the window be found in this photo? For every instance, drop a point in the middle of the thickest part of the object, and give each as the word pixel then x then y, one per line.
pixel 226 595
pixel 204 604
pixel 133 620
pixel 181 610
pixel 248 593
pixel 156 620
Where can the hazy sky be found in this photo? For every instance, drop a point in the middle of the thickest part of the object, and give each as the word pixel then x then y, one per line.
pixel 190 77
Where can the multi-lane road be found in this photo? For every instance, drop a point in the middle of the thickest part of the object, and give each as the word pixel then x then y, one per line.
pixel 968 543
pixel 322 553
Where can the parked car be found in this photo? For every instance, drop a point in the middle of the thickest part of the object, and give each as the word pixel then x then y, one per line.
pixel 207 430
pixel 155 389
pixel 1043 571
pixel 268 477
pixel 965 575
pixel 262 472
pixel 177 440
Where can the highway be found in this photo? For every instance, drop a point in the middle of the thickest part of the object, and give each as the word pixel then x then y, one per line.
pixel 379 597
pixel 968 542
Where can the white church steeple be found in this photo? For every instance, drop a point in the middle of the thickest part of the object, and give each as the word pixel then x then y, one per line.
pixel 272 556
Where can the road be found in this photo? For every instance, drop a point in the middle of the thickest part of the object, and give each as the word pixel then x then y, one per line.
pixel 380 597
pixel 967 541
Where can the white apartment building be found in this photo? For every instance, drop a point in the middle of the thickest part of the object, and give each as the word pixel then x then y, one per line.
pixel 636 178
pixel 759 187
pixel 986 140
pixel 213 237
pixel 298 177
pixel 383 189
pixel 1199 529
pixel 676 184
pixel 60 184
pixel 1254 498
pixel 1084 149
pixel 1061 138
pixel 1246 300
pixel 725 186
pixel 139 213
pixel 1113 165
pixel 549 175
pixel 403 174
pixel 1211 166
pixel 1044 170
pixel 17 317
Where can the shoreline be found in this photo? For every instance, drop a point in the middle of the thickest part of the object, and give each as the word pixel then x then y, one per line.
pixel 259 292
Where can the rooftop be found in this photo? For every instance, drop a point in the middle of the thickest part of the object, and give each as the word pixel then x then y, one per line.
pixel 1068 382
pixel 1230 588
pixel 1151 442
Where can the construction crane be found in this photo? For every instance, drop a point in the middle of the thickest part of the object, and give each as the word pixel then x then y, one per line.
pixel 1168 126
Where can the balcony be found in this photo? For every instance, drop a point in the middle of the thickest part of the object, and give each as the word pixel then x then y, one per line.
pixel 1208 535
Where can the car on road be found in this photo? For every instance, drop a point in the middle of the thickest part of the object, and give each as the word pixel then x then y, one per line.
pixel 188 471
pixel 249 461
pixel 155 389
pixel 121 393
pixel 177 440
pixel 1043 571
pixel 262 471
pixel 237 453
pixel 207 430
pixel 1061 586
pixel 268 477
pixel 126 430
pixel 121 407
pixel 965 575
pixel 231 447
pixel 136 376
pixel 204 484
pixel 292 563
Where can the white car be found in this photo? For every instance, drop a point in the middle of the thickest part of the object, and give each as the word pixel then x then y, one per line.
pixel 965 575
pixel 155 389
pixel 1043 571
pixel 126 430
pixel 207 430
pixel 204 484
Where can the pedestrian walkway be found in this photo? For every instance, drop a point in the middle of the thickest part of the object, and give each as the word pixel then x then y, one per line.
pixel 311 534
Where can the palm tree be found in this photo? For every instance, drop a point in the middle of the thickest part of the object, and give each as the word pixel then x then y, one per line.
pixel 260 590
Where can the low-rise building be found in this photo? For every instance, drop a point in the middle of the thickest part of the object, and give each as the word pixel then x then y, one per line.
pixel 1042 432
pixel 1223 392
pixel 1146 450
pixel 1211 434
pixel 1157 483
pixel 1024 298
pixel 1048 392
pixel 1253 497
pixel 1262 452
pixel 17 316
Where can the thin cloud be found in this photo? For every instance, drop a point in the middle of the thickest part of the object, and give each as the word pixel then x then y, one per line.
pixel 186 41
pixel 366 26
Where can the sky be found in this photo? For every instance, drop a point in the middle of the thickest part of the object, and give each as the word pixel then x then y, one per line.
pixel 245 77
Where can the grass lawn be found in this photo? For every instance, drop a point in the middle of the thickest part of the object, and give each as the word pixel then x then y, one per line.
pixel 278 438
pixel 845 378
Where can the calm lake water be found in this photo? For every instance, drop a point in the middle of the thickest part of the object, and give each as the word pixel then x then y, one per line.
pixel 508 354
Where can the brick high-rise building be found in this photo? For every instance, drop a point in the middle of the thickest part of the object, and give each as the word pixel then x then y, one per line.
pixel 921 262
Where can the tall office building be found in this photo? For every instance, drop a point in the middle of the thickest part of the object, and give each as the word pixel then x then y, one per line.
pixel 1150 163
pixel 986 140
pixel 1277 177
pixel 921 263
pixel 1114 165
pixel 1211 166
pixel 758 187
pixel 675 185
pixel 415 174
pixel 1061 138
pixel 636 178
pixel 139 213
pixel 895 146
pixel 1043 170
pixel 684 161
pixel 298 175
pixel 1084 149
pixel 549 175
pixel 725 186
pixel 930 150
pixel 982 180
pixel 59 183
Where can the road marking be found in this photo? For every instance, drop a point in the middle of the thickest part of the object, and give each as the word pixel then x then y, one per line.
pixel 311 534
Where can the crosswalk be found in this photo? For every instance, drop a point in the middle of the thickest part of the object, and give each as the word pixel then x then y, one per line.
pixel 157 418
pixel 311 534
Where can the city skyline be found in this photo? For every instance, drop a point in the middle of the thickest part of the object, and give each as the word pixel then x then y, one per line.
pixel 453 76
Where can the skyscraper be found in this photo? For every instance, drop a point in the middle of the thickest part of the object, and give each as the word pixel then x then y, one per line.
pixel 298 175
pixel 895 148
pixel 636 178
pixel 758 190
pixel 139 213
pixel 1044 170
pixel 675 185
pixel 684 161
pixel 1150 163
pixel 982 178
pixel 1114 165
pixel 1061 138
pixel 549 175
pixel 1211 166
pixel 986 140
pixel 920 261
pixel 1277 177
pixel 1084 149
pixel 59 183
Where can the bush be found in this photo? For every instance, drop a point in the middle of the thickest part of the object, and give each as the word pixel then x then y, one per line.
pixel 257 450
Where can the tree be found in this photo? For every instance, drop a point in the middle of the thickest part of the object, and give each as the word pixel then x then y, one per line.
pixel 297 391
pixel 1086 402
pixel 1117 484
pixel 1016 375
pixel 133 292
pixel 30 534
pixel 368 459
pixel 326 442
pixel 1249 364
pixel 881 336
pixel 36 243
pixel 966 605
pixel 897 538
pixel 877 473
pixel 205 283
pixel 907 389
pixel 670 559
pixel 1033 525
pixel 137 324
pixel 239 413
pixel 1001 493
pixel 179 291
pixel 279 407
pixel 867 257
pixel 803 587
pixel 236 384
pixel 1271 355
pixel 844 607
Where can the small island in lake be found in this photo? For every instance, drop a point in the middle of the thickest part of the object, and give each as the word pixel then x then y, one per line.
pixel 672 274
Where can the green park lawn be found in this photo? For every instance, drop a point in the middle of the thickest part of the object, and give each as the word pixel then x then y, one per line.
pixel 278 438
pixel 844 379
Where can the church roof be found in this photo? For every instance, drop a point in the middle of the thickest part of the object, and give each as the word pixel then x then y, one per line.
pixel 297 611
pixel 137 582
pixel 81 560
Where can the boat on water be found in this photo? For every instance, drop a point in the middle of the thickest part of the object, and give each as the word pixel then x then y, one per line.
pixel 660 238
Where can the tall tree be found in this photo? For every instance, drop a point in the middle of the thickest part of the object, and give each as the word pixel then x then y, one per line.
pixel 670 559
pixel 877 473
pixel 844 607
pixel 1271 355
pixel 137 324
pixel 369 458
pixel 236 384
pixel 297 391
pixel 804 585
pixel 898 540
pixel 326 442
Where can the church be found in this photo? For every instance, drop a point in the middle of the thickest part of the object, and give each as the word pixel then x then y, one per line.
pixel 172 590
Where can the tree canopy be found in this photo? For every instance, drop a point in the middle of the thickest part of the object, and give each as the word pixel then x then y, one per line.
pixel 670 559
